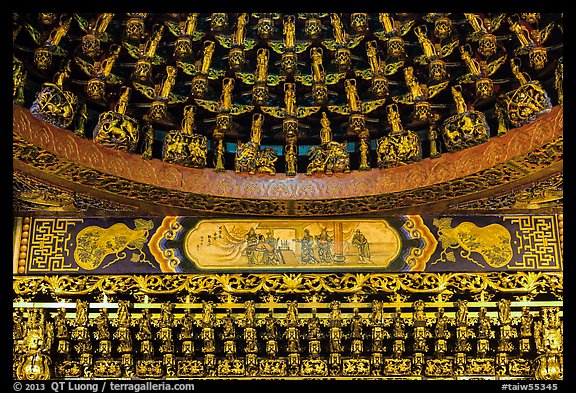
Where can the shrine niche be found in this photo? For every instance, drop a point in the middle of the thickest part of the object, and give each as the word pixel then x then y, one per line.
pixel 305 196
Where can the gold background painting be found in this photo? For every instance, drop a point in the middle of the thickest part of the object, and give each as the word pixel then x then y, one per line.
pixel 223 244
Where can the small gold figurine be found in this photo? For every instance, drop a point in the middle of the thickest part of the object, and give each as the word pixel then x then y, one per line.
pixel 54 104
pixel 559 80
pixel 115 129
pixel 479 72
pixel 466 128
pixel 260 78
pixel 531 41
pixel 161 95
pixel 147 56
pixel 548 337
pixel 418 95
pixel 183 146
pixel 95 33
pixel 392 34
pixel 484 29
pixel 341 44
pixel 206 72
pixel 330 157
pixel 35 363
pixel 290 125
pixel 237 43
pixel 44 54
pixel 249 157
pixel 289 47
pixel 433 53
pixel 524 104
pixel 399 147
pixel 318 78
pixel 186 34
pixel 100 73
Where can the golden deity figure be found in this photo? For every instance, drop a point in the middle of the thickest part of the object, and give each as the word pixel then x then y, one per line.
pixel 229 334
pixel 271 334
pixel 441 334
pixel 521 32
pixel 54 103
pixel 95 32
pixel 260 78
pixel 524 104
pixel 290 98
pixel 238 43
pixel 199 85
pixel 484 29
pixel 416 89
pixel 168 83
pixel 559 80
pixel 418 95
pixel 428 47
pixel 289 31
pixel 162 94
pixel 145 56
pixel 318 78
pixel 225 109
pixel 186 33
pixel 355 108
pixel 318 73
pixel 207 54
pixel 352 95
pixel 190 24
pixel 399 334
pixel 62 333
pixel 549 341
pixel 289 47
pixel 325 130
pixel 340 35
pixel 144 335
pixel 531 41
pixel 392 35
pixel 115 129
pixel 330 157
pixel 399 147
pixel 19 75
pixel 226 98
pixel 433 54
pixel 356 334
pixel 262 58
pixel 240 32
pixel 58 32
pixel 373 59
pixel 152 43
pixel 250 157
pixel 102 22
pixel 49 46
pixel 479 71
pixel 100 73
pixel 387 22
pixel 466 128
pixel 184 146
pixel 378 70
pixel 106 64
pixel 35 363
pixel 290 113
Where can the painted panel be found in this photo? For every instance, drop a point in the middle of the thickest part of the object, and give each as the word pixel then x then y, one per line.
pixel 182 244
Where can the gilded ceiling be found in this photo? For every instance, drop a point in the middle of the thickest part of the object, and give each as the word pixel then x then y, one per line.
pixel 287 114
